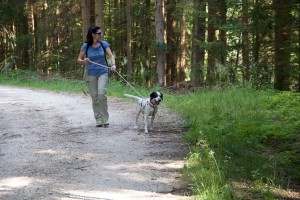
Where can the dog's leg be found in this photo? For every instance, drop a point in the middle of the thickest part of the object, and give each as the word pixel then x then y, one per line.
pixel 146 122
pixel 152 120
pixel 136 119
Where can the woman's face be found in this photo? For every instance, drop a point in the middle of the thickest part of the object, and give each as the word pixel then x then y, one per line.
pixel 98 34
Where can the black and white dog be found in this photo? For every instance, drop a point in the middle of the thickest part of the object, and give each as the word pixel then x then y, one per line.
pixel 148 107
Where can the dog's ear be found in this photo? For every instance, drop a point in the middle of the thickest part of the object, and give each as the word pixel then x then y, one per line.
pixel 153 95
pixel 161 96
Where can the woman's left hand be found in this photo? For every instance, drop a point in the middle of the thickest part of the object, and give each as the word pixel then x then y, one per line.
pixel 113 68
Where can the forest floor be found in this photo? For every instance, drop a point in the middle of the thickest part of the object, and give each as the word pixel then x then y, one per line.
pixel 51 149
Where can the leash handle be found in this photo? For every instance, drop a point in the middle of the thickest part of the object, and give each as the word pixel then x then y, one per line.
pixel 119 75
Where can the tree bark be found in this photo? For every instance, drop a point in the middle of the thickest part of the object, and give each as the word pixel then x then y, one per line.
pixel 211 38
pixel 30 22
pixel 256 41
pixel 182 67
pixel 160 42
pixel 129 57
pixel 99 7
pixel 283 21
pixel 197 73
pixel 35 33
pixel 245 42
pixel 86 16
pixel 171 43
pixel 43 59
pixel 148 44
pixel 223 36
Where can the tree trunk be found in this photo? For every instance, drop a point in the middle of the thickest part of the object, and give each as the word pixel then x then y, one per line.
pixel 283 22
pixel 148 44
pixel 99 7
pixel 245 41
pixel 86 16
pixel 129 57
pixel 171 42
pixel 182 67
pixel 211 39
pixel 35 33
pixel 223 37
pixel 197 72
pixel 43 59
pixel 160 42
pixel 30 22
pixel 256 41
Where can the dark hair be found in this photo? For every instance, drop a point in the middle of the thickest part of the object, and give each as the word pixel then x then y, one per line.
pixel 89 35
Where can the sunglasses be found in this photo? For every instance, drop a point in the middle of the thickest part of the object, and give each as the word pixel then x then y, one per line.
pixel 100 33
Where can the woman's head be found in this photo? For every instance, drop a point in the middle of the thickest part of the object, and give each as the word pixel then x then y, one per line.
pixel 93 31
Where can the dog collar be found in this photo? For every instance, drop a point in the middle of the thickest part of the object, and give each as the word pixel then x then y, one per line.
pixel 151 104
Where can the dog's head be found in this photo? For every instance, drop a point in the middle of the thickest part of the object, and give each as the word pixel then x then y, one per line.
pixel 156 97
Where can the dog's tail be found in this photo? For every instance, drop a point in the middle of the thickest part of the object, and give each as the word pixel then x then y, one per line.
pixel 132 96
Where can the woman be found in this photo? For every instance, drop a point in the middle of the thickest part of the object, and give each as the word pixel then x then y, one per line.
pixel 93 51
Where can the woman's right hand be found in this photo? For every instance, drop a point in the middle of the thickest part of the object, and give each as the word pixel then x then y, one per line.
pixel 82 61
pixel 86 61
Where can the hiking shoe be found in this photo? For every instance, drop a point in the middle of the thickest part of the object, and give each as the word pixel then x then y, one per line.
pixel 105 123
pixel 99 123
pixel 102 123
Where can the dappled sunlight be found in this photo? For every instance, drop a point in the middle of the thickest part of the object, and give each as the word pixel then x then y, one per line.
pixel 66 154
pixel 112 194
pixel 286 194
pixel 244 189
pixel 16 182
pixel 12 102
pixel 136 177
pixel 7 90
pixel 48 151
pixel 156 170
pixel 163 165
pixel 175 165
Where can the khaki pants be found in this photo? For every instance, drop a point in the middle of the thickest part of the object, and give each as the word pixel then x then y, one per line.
pixel 98 87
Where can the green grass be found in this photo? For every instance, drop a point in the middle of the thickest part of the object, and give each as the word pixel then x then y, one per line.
pixel 237 135
pixel 244 135
pixel 61 84
pixel 33 80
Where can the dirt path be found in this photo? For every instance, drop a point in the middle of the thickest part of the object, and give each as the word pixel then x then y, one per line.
pixel 51 149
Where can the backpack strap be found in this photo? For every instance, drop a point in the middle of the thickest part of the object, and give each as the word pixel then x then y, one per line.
pixel 104 52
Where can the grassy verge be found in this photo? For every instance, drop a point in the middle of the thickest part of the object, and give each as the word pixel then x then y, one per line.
pixel 245 143
pixel 61 84
pixel 33 80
